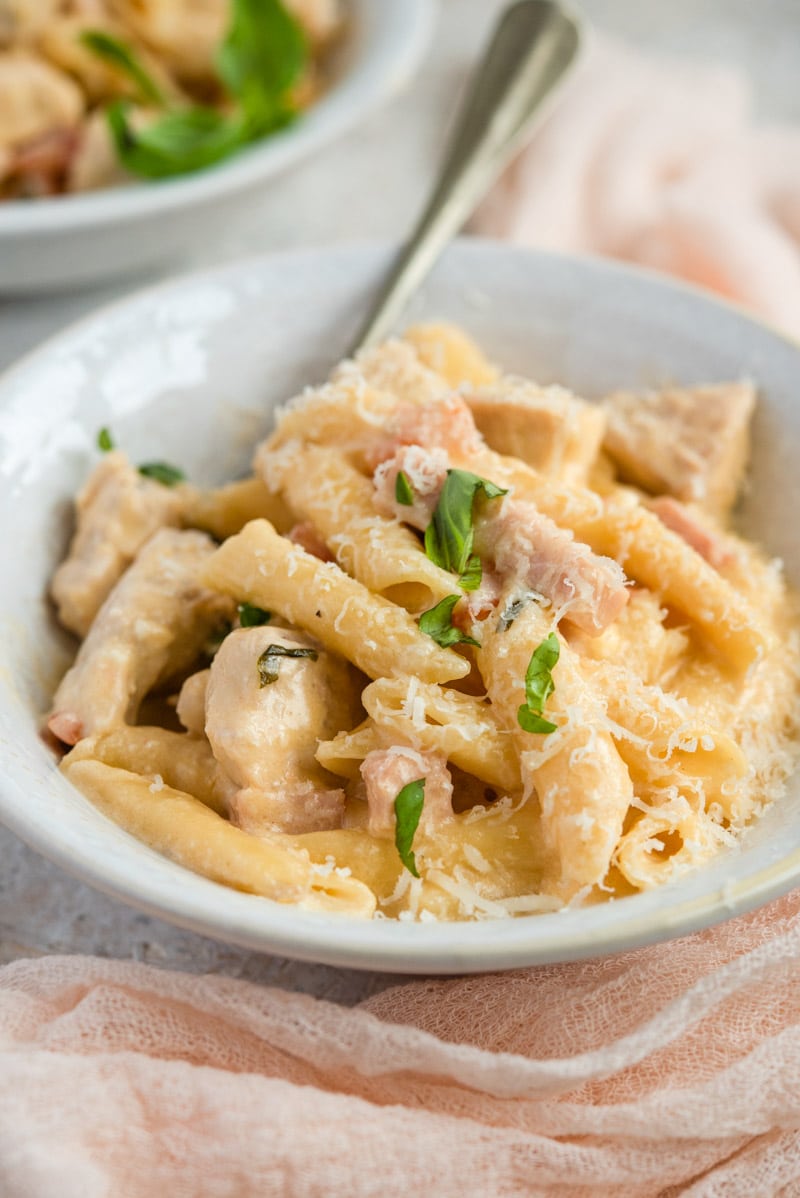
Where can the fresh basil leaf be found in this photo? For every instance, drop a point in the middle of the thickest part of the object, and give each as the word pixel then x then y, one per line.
pixel 403 491
pixel 407 810
pixel 184 140
pixel 162 472
pixel 105 441
pixel 450 535
pixel 515 606
pixel 269 661
pixel 470 580
pixel 530 721
pixel 263 55
pixel 251 616
pixel 123 58
pixel 539 686
pixel 437 623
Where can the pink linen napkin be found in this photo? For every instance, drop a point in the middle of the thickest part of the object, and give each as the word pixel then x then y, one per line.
pixel 673 1070
pixel 661 164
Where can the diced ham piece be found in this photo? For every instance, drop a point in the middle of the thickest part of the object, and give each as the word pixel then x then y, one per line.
pixel 265 737
pixel 306 536
pixel 689 442
pixel 710 544
pixel 426 471
pixel 152 625
pixel 117 511
pixel 387 771
pixel 547 427
pixel 530 549
pixel 515 543
pixel 445 424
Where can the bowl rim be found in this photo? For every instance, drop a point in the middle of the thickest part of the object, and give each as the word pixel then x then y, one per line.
pixel 390 946
pixel 397 35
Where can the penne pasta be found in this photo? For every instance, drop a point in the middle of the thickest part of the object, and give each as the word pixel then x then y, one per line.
pixel 442 665
pixel 182 828
pixel 377 636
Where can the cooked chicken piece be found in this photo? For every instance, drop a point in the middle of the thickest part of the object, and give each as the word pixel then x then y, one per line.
pixel 152 625
pixel 519 544
pixel 191 709
pixel 387 771
pixel 690 442
pixel 185 34
pixel 265 734
pixel 60 42
pixel 117 510
pixel 35 99
pixel 709 542
pixel 547 427
pixel 95 162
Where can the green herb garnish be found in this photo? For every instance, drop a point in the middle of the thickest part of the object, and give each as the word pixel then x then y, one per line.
pixel 123 58
pixel 403 491
pixel 269 661
pixel 181 141
pixel 450 536
pixel 539 686
pixel 162 472
pixel 251 616
pixel 262 56
pixel 437 623
pixel 407 810
pixel 105 441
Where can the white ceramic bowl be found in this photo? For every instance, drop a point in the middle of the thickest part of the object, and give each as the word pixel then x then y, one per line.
pixel 189 371
pixel 74 239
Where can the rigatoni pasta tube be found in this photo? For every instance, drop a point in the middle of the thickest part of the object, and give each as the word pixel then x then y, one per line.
pixel 186 831
pixel 386 556
pixel 376 635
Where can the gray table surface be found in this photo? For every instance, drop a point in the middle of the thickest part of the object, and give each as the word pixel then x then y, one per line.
pixel 368 185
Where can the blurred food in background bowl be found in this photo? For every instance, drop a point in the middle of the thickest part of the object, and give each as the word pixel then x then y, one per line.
pixel 128 131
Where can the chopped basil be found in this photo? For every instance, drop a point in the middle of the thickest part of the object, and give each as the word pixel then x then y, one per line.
pixel 450 535
pixel 162 472
pixel 403 491
pixel 105 441
pixel 263 55
pixel 251 616
pixel 437 623
pixel 539 686
pixel 269 661
pixel 183 140
pixel 515 606
pixel 407 810
pixel 261 58
pixel 470 580
pixel 123 58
